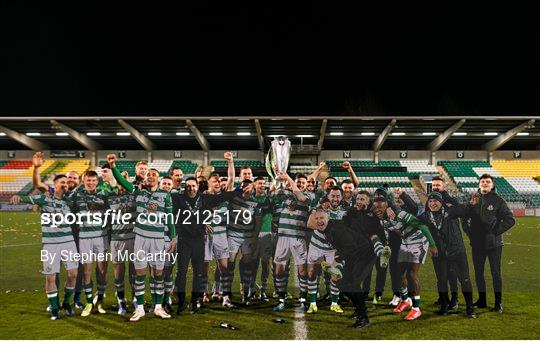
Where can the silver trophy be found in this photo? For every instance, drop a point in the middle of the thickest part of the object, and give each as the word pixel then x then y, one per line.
pixel 277 159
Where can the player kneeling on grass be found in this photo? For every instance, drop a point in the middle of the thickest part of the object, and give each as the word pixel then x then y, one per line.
pixel 149 235
pixel 358 249
pixel 415 237
pixel 58 244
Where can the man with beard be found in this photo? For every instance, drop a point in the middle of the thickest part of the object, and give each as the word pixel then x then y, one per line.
pixel 149 235
pixel 438 185
pixel 452 256
pixel 242 234
pixel 265 242
pixel 320 249
pixel 219 246
pixel 415 238
pixel 122 242
pixel 357 247
pixel 363 204
pixel 294 206
pixel 348 188
pixel 191 205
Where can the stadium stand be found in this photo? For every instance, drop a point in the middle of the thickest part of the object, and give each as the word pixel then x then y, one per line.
pixel 513 178
pixel 517 168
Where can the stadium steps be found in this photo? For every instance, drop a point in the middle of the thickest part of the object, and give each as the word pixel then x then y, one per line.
pixel 419 190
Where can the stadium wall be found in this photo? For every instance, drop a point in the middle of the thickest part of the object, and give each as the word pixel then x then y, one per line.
pixel 198 155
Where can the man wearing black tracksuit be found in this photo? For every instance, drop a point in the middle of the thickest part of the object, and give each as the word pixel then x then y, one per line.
pixel 356 247
pixel 191 231
pixel 490 217
pixel 452 257
pixel 438 185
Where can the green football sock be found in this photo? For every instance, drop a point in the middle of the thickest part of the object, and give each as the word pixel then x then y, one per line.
pixel 53 299
pixel 68 292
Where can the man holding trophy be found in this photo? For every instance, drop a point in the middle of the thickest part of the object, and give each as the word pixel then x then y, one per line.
pixel 293 202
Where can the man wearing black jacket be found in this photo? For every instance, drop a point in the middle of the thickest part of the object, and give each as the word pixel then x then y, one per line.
pixel 490 218
pixel 357 247
pixel 438 185
pixel 192 208
pixel 452 257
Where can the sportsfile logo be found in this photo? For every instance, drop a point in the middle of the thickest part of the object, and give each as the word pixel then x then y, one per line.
pixel 186 217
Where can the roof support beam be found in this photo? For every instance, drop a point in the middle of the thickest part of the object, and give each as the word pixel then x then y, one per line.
pixel 259 134
pixel 382 137
pixel 23 139
pixel 84 140
pixel 144 141
pixel 441 139
pixel 16 117
pixel 322 134
pixel 198 136
pixel 497 142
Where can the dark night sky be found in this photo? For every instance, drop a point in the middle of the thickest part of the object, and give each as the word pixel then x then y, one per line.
pixel 287 60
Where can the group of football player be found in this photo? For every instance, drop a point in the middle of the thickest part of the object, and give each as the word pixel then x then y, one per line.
pixel 335 233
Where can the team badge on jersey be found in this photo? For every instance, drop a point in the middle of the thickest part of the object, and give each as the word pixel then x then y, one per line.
pixel 490 208
pixel 152 207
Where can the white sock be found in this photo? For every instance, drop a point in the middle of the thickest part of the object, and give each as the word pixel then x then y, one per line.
pixel 158 306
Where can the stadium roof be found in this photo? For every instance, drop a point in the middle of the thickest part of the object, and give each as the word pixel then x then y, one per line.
pixel 241 132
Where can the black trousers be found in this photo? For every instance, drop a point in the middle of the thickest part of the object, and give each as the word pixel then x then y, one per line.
pixel 459 268
pixel 380 278
pixel 354 273
pixel 395 276
pixel 479 256
pixel 189 249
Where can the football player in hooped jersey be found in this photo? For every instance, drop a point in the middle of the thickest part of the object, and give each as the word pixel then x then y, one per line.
pixel 292 235
pixel 320 249
pixel 56 240
pixel 149 236
pixel 416 242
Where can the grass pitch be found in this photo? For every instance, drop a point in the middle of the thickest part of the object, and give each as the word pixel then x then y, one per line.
pixel 23 303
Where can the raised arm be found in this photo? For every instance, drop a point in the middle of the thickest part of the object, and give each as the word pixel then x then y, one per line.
pixel 296 191
pixel 37 161
pixel 352 174
pixel 111 159
pixel 316 172
pixel 230 171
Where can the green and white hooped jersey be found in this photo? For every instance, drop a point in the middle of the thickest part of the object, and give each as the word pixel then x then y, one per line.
pixel 93 203
pixel 294 215
pixel 49 204
pixel 123 204
pixel 406 224
pixel 151 210
pixel 318 239
pixel 244 226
